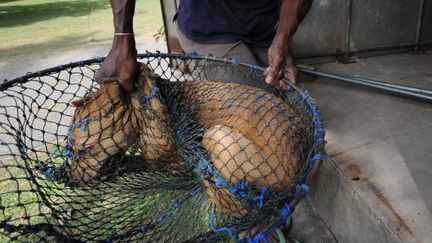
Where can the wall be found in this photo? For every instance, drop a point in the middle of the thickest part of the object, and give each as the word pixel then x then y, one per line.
pixel 343 27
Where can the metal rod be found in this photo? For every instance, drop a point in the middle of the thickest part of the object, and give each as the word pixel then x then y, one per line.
pixel 348 28
pixel 395 89
pixel 370 49
pixel 392 85
pixel 419 23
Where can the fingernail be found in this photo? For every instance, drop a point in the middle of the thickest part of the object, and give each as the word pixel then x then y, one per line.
pixel 269 80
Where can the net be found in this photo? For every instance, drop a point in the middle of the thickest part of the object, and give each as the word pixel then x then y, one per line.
pixel 203 150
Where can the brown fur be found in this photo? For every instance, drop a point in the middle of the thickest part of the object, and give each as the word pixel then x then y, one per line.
pixel 250 134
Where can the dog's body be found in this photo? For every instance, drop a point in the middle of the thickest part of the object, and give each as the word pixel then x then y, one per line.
pixel 250 134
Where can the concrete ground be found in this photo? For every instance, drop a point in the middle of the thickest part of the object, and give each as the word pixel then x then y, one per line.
pixel 18 66
pixel 375 186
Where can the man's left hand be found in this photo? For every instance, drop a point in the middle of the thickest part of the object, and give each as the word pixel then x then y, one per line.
pixel 281 63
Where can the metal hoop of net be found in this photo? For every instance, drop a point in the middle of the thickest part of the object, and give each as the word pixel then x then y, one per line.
pixel 203 150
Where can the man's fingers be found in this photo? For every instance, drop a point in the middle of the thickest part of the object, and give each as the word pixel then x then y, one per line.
pixel 271 74
pixel 128 80
pixel 290 73
pixel 283 85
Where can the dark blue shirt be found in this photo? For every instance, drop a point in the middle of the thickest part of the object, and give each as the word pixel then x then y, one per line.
pixel 228 21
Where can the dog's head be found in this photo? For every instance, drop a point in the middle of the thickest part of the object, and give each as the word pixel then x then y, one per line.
pixel 102 127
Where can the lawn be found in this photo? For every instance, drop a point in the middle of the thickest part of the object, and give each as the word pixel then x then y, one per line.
pixel 37 26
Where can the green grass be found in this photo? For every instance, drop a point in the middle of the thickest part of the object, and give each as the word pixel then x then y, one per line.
pixel 37 26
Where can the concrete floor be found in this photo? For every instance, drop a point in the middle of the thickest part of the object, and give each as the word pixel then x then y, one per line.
pixel 380 152
pixel 18 66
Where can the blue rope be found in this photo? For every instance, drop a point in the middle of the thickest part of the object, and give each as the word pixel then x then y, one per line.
pixel 258 239
pixel 226 230
pixel 56 174
pixel 144 100
pixel 302 189
pixel 261 197
pixel 193 53
pixel 235 61
pixel 316 158
pixel 169 213
pixel 181 135
pixel 252 69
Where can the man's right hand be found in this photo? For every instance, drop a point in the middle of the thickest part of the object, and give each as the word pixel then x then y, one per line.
pixel 121 63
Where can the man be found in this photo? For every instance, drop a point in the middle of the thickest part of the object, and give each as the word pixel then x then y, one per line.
pixel 228 28
pixel 252 30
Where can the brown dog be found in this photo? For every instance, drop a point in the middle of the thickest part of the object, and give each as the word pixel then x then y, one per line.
pixel 250 134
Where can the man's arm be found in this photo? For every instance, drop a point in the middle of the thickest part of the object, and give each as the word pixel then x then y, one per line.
pixel 121 63
pixel 281 60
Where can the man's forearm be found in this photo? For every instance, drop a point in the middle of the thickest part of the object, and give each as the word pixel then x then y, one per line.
pixel 291 14
pixel 281 59
pixel 123 12
pixel 121 63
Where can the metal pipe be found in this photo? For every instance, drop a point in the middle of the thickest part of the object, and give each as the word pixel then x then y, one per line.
pixel 422 94
pixel 396 86
pixel 370 49
pixel 419 23
pixel 348 28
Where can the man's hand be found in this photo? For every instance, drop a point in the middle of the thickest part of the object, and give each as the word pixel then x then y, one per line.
pixel 121 63
pixel 281 63
pixel 281 60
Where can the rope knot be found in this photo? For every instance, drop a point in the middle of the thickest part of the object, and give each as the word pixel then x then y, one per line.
pixel 260 238
pixel 144 100
pixel 235 61
pixel 285 211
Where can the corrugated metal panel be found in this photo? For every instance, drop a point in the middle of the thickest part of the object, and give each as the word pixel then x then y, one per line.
pixel 322 32
pixel 374 25
pixel 383 23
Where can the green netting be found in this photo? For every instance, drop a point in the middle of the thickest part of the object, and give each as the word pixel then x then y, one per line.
pixel 203 150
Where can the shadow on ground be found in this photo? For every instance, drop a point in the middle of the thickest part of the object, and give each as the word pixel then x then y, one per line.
pixel 17 15
pixel 8 1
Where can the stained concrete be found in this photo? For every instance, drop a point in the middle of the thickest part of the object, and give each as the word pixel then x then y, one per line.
pixel 375 187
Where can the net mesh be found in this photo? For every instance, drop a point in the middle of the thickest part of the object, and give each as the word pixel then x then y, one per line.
pixel 206 154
